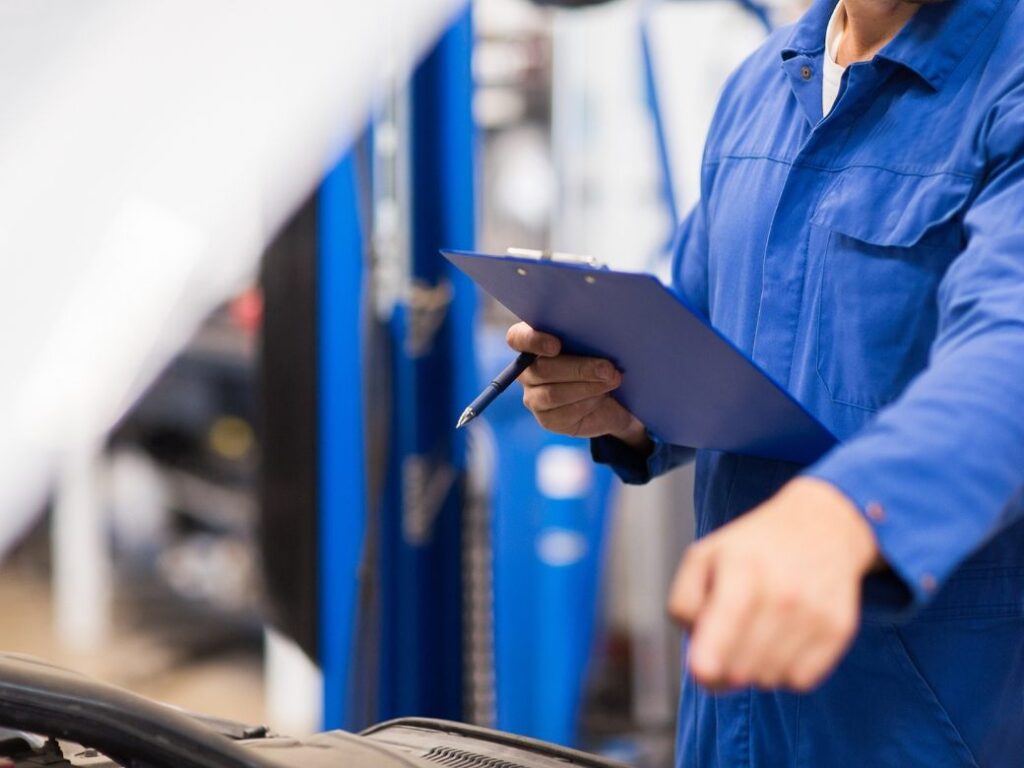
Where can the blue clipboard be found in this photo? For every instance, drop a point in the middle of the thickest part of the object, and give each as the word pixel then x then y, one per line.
pixel 683 379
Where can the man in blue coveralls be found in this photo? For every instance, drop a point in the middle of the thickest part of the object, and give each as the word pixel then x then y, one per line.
pixel 861 235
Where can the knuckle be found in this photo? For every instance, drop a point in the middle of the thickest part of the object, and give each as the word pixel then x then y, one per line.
pixel 705 679
pixel 788 598
pixel 762 567
pixel 749 597
pixel 742 670
pixel 803 679
pixel 580 370
pixel 529 399
pixel 765 679
pixel 833 624
pixel 740 678
pixel 843 625
pixel 543 397
pixel 819 616
pixel 715 682
pixel 539 370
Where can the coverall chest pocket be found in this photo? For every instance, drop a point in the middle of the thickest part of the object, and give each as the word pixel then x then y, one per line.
pixel 887 239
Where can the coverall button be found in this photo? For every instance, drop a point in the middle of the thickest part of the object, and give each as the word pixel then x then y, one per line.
pixel 928 583
pixel 806 72
pixel 876 512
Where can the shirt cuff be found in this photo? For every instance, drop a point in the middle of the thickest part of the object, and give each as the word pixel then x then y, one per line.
pixel 632 467
pixel 916 570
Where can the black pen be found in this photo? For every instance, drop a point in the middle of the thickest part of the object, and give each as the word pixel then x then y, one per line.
pixel 501 382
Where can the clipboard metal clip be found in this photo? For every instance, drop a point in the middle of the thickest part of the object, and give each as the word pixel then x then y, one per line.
pixel 569 258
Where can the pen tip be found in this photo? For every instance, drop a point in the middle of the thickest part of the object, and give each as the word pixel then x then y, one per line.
pixel 465 418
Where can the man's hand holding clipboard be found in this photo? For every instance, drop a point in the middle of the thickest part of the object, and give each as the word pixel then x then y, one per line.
pixel 571 395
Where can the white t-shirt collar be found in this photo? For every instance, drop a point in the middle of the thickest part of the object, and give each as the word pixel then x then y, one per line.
pixel 832 74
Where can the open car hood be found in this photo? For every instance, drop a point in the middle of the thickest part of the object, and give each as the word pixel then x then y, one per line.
pixel 130 730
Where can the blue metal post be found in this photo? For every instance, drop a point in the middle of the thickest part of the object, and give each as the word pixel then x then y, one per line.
pixel 342 482
pixel 434 375
pixel 419 638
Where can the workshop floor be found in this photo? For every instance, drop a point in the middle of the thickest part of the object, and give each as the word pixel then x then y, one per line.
pixel 227 682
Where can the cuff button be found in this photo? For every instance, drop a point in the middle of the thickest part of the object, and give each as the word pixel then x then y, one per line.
pixel 876 511
pixel 928 583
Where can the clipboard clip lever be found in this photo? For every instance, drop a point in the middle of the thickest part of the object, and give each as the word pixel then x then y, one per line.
pixel 569 258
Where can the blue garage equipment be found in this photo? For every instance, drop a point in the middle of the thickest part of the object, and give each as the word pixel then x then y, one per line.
pixel 549 508
pixel 413 615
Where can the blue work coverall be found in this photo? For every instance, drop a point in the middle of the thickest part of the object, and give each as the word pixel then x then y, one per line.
pixel 872 262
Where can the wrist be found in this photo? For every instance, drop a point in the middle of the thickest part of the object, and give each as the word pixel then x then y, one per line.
pixel 636 437
pixel 845 518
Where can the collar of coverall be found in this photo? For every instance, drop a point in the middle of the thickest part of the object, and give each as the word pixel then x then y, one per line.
pixel 932 44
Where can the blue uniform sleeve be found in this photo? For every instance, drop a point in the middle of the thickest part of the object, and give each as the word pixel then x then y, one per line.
pixel 935 473
pixel 689 278
pixel 630 466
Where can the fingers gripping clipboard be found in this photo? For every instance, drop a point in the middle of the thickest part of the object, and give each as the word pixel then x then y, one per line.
pixel 685 381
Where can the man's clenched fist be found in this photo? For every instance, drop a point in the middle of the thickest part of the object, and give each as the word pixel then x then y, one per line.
pixel 773 598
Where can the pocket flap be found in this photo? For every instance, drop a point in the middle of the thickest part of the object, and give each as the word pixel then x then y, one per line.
pixel 885 208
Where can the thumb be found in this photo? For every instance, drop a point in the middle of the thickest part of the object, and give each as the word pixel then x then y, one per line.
pixel 692 584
